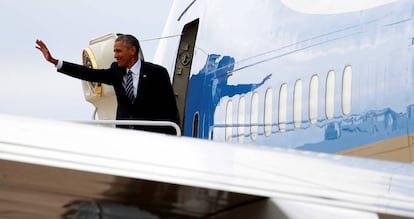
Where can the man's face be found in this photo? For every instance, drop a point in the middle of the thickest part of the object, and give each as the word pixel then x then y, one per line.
pixel 124 54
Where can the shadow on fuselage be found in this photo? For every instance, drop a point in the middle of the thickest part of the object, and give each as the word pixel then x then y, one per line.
pixel 206 90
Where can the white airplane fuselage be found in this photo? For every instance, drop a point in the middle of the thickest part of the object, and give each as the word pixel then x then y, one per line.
pixel 334 78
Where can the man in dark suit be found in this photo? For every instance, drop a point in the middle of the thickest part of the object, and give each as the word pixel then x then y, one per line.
pixel 143 89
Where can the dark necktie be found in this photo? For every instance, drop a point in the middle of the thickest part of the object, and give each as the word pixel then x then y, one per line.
pixel 129 86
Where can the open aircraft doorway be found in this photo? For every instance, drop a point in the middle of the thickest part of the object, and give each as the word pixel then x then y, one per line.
pixel 183 66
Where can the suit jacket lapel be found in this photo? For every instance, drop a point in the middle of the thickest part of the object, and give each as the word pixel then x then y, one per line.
pixel 143 74
pixel 120 72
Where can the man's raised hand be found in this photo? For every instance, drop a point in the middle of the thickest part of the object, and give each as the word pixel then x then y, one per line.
pixel 45 51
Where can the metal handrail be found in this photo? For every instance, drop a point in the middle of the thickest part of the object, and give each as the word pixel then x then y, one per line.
pixel 133 122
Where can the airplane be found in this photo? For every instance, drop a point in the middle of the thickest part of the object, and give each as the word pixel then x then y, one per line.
pixel 276 100
pixel 322 77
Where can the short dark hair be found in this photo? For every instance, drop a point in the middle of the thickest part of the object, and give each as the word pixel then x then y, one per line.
pixel 130 41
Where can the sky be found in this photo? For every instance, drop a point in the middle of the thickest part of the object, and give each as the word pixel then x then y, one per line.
pixel 30 86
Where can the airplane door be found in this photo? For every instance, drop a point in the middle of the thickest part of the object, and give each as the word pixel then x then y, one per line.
pixel 183 67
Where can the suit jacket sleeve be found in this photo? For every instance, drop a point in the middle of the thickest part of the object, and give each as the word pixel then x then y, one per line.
pixel 88 74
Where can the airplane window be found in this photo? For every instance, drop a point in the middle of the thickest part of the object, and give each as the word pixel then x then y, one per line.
pixel 313 99
pixel 297 104
pixel 330 95
pixel 268 112
pixel 241 119
pixel 254 116
pixel 195 125
pixel 282 107
pixel 229 121
pixel 346 90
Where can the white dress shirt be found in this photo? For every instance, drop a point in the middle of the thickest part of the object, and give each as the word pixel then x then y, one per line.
pixel 135 75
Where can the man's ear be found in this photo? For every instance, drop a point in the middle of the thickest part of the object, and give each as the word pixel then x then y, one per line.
pixel 133 50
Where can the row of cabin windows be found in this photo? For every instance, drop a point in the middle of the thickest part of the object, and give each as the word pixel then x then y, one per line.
pixel 283 106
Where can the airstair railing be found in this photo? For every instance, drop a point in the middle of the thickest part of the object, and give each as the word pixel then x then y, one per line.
pixel 134 122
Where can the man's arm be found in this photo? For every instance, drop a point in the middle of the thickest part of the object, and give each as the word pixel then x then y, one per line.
pixel 89 74
pixel 75 70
